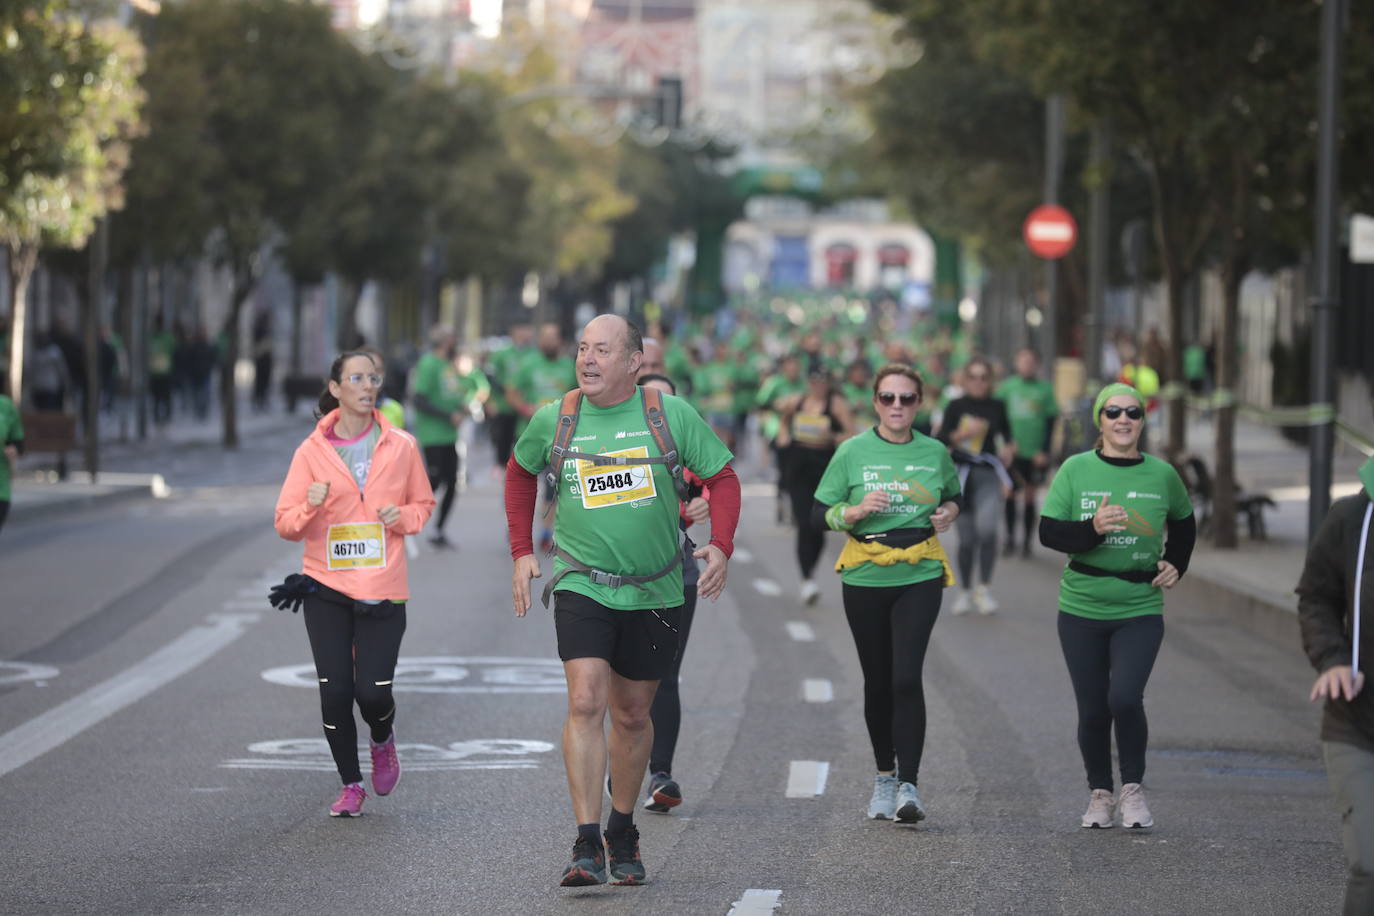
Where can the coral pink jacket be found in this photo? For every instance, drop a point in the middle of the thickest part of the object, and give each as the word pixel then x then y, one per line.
pixel 346 545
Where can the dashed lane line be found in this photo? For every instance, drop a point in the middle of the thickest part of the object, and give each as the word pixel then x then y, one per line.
pixel 817 690
pixel 801 631
pixel 806 778
pixel 755 902
pixel 767 587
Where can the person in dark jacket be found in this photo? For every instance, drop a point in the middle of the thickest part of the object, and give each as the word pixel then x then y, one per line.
pixel 1329 608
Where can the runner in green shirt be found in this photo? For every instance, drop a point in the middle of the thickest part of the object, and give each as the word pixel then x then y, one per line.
pixel 1031 408
pixel 1109 510
pixel 440 407
pixel 12 440
pixel 713 385
pixel 503 364
pixel 541 379
pixel 892 489
pixel 858 394
pixel 616 638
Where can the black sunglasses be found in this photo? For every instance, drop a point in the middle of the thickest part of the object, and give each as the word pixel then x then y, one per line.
pixel 891 397
pixel 1113 411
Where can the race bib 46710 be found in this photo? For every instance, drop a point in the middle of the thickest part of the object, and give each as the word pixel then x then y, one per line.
pixel 604 485
pixel 361 545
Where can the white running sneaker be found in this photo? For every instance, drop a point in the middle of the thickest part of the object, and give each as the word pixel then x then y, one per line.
pixel 1134 811
pixel 810 591
pixel 882 806
pixel 983 600
pixel 964 603
pixel 909 809
pixel 1099 813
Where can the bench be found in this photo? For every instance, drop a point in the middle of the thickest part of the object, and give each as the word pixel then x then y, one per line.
pixel 1250 505
pixel 51 432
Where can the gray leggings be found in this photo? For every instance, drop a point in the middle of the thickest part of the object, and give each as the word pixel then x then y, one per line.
pixel 978 524
pixel 1351 771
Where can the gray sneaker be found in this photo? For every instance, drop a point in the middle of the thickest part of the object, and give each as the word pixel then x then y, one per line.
pixel 1134 812
pixel 909 809
pixel 883 805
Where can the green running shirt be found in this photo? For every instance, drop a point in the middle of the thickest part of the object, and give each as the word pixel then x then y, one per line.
pixel 919 476
pixel 1153 495
pixel 11 432
pixel 437 379
pixel 621 519
pixel 1029 404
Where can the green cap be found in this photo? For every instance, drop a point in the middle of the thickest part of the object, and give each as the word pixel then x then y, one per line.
pixel 1111 391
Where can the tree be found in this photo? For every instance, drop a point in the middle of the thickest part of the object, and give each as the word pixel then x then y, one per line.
pixel 262 86
pixel 69 105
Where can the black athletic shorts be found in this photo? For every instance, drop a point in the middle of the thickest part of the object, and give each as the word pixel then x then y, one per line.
pixel 1024 471
pixel 640 645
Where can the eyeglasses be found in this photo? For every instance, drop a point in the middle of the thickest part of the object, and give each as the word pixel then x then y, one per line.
pixel 888 398
pixel 976 376
pixel 358 377
pixel 1111 412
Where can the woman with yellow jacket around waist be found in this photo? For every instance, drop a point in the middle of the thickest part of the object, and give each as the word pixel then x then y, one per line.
pixel 893 490
pixel 357 486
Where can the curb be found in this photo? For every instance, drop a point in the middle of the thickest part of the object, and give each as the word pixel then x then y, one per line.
pixel 1257 611
pixel 70 502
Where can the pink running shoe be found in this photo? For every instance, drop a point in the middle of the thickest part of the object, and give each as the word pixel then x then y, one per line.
pixel 386 766
pixel 350 801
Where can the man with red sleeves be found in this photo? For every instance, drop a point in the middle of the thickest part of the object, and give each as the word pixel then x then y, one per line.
pixel 617 576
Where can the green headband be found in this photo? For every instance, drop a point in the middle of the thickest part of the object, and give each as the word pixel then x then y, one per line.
pixel 1111 391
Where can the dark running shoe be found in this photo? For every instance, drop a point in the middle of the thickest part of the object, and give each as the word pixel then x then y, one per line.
pixel 623 847
pixel 588 864
pixel 664 794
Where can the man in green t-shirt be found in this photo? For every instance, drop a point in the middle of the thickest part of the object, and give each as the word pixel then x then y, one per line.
pixel 541 379
pixel 440 407
pixel 12 439
pixel 1031 408
pixel 617 576
pixel 502 366
pixel 713 385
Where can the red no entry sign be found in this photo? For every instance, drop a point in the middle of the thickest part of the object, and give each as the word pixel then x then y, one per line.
pixel 1049 231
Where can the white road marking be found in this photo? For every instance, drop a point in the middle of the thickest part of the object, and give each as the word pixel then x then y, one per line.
pixel 412 549
pixel 801 631
pixel 312 754
pixel 767 587
pixel 754 902
pixel 14 672
pixel 64 722
pixel 817 690
pixel 742 556
pixel 451 674
pixel 806 778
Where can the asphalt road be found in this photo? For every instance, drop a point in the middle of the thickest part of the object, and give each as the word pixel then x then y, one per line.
pixel 160 750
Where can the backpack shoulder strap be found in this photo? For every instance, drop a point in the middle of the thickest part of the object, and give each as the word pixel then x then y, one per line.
pixel 657 419
pixel 563 432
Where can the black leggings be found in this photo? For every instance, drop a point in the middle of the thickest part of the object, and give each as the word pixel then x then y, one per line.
pixel 4 511
pixel 1109 662
pixel 441 464
pixel 805 468
pixel 666 712
pixel 891 628
pixel 355 659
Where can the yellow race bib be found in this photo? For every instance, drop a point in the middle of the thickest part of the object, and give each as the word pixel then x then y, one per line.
pixel 604 485
pixel 361 545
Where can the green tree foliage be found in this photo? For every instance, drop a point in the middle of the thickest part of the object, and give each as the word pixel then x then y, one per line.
pixel 69 104
pixel 250 131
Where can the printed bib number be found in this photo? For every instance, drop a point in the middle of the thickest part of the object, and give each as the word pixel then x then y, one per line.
pixel 604 485
pixel 358 546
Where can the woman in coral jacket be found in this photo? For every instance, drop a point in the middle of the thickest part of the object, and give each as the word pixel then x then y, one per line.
pixel 357 486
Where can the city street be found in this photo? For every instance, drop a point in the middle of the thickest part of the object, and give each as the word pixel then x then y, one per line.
pixel 160 748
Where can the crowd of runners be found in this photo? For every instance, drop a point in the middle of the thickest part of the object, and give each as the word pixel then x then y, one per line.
pixel 884 442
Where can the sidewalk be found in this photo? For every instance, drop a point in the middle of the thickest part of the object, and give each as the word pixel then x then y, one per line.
pixel 131 469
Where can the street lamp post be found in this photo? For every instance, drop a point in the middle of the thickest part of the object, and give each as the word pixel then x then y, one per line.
pixel 1325 264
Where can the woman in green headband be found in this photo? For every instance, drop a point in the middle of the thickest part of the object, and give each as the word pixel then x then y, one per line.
pixel 1110 509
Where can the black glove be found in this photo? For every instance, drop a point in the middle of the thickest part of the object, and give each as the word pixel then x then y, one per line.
pixel 292 593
